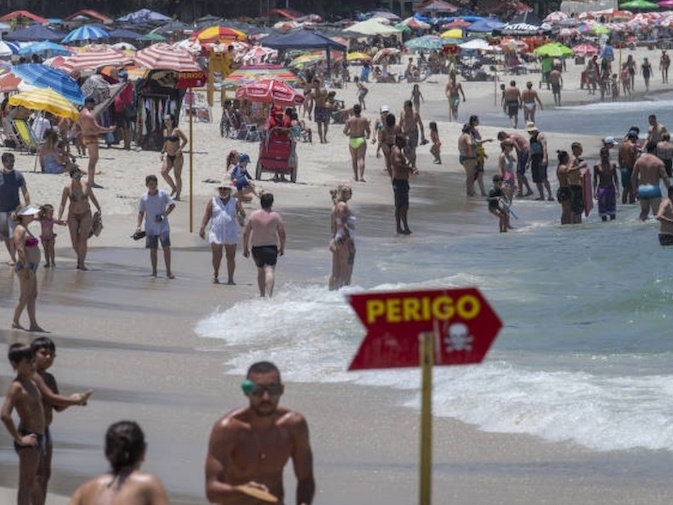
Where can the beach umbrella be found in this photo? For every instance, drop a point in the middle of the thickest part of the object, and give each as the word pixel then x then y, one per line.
pixel 270 91
pixel 45 100
pixel 9 82
pixel 42 76
pixel 666 4
pixel 8 48
pixel 94 58
pixel 599 30
pixel 426 43
pixel 639 5
pixel 153 37
pixel 553 50
pixel 218 33
pixel 555 17
pixel 85 33
pixel 123 33
pixel 256 53
pixel 162 56
pixel 355 56
pixel 306 59
pixel 250 73
pixel 456 23
pixel 414 24
pixel 45 46
pixel 479 45
pixel 124 46
pixel 584 50
pixel 453 33
pixel 144 16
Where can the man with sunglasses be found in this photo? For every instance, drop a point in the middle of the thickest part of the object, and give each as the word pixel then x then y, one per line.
pixel 11 181
pixel 250 446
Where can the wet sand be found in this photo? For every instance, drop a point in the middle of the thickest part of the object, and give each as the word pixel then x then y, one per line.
pixel 130 337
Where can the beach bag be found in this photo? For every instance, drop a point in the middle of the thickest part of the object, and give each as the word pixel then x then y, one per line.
pixel 96 225
pixel 130 111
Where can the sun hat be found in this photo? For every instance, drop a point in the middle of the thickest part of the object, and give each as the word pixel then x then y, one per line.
pixel 530 127
pixel 28 210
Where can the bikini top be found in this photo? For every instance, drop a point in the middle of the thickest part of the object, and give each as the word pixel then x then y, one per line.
pixel 30 240
pixel 171 138
pixel 78 197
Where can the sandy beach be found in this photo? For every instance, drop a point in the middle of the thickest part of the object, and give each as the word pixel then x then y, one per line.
pixel 131 338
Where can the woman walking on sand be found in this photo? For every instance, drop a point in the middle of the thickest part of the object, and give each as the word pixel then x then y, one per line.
pixel 78 193
pixel 342 244
pixel 27 261
pixel 171 155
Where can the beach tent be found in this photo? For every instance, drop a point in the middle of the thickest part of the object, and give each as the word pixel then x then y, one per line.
pixel 35 32
pixel 172 27
pixel 144 16
pixel 304 40
pixel 373 27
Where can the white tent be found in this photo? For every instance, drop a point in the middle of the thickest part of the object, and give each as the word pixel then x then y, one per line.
pixel 373 26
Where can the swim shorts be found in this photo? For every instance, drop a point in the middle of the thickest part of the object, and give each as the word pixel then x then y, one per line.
pixel 401 191
pixel 648 191
pixel 152 241
pixel 265 255
pixel 321 114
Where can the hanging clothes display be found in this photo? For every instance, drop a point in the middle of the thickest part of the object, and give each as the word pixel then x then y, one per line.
pixel 154 102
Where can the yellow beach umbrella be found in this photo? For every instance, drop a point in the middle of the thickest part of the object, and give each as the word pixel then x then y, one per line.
pixel 358 56
pixel 306 58
pixel 453 33
pixel 46 100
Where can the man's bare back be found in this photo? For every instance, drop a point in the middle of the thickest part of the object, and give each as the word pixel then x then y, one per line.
pixel 265 226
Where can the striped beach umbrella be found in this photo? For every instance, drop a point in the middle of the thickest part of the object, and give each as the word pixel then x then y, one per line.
pixel 46 100
pixel 42 76
pixel 8 48
pixel 218 33
pixel 270 91
pixel 166 57
pixel 93 59
pixel 86 33
pixel 245 75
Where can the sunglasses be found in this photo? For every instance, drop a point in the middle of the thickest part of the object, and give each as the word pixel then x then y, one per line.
pixel 272 389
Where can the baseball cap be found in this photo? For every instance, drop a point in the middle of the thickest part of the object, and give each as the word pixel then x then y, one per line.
pixel 385 108
pixel 609 140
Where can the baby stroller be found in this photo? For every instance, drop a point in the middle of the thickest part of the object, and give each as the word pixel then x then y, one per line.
pixel 277 154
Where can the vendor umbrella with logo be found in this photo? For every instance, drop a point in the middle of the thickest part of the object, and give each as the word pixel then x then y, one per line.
pixel 270 91
pixel 165 57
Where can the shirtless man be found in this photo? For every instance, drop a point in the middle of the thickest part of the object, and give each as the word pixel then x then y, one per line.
pixel 321 111
pixel 522 147
pixel 628 152
pixel 90 131
pixel 655 130
pixel 410 123
pixel 250 446
pixel 664 64
pixel 512 103
pixel 665 152
pixel 575 166
pixel 530 100
pixel 647 171
pixel 357 128
pixel 265 233
pixel 665 218
pixel 401 170
pixel 453 91
pixel 556 80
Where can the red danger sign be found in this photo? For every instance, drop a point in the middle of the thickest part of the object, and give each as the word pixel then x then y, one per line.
pixel 464 324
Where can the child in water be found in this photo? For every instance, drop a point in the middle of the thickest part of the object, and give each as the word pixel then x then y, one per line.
pixel 435 150
pixel 417 97
pixel 497 203
pixel 47 235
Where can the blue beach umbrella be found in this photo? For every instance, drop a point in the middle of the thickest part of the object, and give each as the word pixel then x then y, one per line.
pixel 86 33
pixel 44 47
pixel 8 48
pixel 427 43
pixel 42 76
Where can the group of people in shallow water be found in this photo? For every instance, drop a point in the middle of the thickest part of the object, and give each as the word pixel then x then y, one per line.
pixel 640 169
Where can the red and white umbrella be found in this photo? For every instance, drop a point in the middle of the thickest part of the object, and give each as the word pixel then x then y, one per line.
pixel 584 50
pixel 93 59
pixel 270 91
pixel 386 51
pixel 166 57
pixel 256 53
pixel 555 17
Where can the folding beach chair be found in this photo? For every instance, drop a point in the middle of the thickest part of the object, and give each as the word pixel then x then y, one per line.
pixel 25 133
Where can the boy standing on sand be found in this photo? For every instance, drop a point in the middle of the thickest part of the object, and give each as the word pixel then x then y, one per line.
pixel 44 352
pixel 155 206
pixel 29 441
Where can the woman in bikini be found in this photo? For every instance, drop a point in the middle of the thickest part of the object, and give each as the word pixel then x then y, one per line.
pixel 28 259
pixel 342 244
pixel 79 213
pixel 171 155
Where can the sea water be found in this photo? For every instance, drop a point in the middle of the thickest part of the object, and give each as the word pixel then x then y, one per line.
pixel 585 351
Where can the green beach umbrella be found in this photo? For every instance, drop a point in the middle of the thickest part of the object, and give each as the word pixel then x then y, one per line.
pixel 638 4
pixel 599 30
pixel 553 50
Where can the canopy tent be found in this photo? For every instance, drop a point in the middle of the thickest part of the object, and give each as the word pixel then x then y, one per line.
pixel 144 16
pixel 123 33
pixel 486 25
pixel 44 47
pixel 35 32
pixel 373 26
pixel 520 29
pixel 434 6
pixel 304 40
pixel 172 27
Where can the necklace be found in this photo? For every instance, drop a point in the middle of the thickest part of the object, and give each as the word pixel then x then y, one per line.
pixel 261 453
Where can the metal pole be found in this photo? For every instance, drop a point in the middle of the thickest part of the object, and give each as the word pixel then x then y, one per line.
pixel 191 162
pixel 426 361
